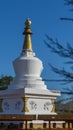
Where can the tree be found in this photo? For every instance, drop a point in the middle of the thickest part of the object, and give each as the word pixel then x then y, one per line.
pixel 5 81
pixel 68 3
pixel 67 77
pixel 59 49
pixel 66 52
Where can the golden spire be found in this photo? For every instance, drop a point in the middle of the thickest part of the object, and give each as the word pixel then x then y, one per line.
pixel 27 32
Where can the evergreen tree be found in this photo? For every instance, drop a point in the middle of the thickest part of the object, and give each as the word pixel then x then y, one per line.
pixel 65 52
pixel 5 81
pixel 68 3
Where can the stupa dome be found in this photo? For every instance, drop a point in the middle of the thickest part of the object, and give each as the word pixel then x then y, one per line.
pixel 27 67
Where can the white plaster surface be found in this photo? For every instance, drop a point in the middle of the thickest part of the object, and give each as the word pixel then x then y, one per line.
pixel 28 83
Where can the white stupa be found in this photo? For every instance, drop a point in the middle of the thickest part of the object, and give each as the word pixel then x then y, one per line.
pixel 27 94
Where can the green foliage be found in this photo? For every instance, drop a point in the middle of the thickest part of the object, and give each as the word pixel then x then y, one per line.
pixel 63 52
pixel 5 81
pixel 39 128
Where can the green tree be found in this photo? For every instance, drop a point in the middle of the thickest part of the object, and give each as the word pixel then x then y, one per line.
pixel 5 81
pixel 63 52
pixel 66 53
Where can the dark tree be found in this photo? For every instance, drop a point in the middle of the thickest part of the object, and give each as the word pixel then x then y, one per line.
pixel 67 77
pixel 68 3
pixel 66 53
pixel 5 81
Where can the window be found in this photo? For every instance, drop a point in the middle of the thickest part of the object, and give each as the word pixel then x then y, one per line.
pixel 54 125
pixel 31 125
pixel 21 125
pixel 44 125
pixel 72 124
pixel 64 125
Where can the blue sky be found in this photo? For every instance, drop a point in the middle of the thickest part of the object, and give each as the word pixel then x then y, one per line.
pixel 44 15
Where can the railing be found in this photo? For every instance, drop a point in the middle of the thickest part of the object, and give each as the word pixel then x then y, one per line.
pixel 41 129
pixel 36 129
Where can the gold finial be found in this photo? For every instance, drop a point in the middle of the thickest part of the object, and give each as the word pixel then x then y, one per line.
pixel 28 22
pixel 27 32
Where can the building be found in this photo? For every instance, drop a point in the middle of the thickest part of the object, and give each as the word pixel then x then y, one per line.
pixel 27 95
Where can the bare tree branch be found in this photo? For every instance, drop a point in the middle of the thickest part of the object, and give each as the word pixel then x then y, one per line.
pixel 68 2
pixel 56 47
pixel 65 52
pixel 67 19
